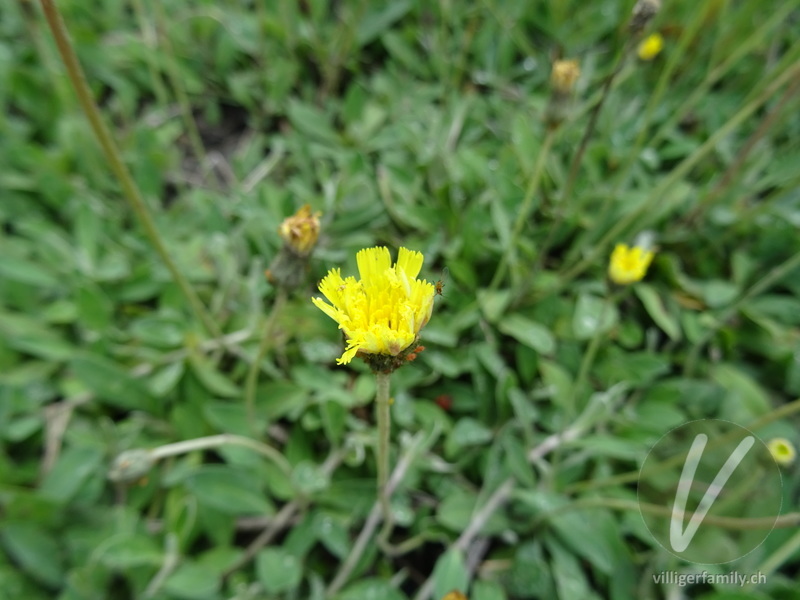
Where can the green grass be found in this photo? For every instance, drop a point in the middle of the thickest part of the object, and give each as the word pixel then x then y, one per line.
pixel 406 124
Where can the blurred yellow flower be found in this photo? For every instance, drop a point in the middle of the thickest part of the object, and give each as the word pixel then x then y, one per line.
pixel 300 231
pixel 651 46
pixel 782 450
pixel 454 595
pixel 564 75
pixel 383 312
pixel 629 264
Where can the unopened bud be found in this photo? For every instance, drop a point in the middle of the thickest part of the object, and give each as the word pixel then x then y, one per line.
pixel 131 465
pixel 300 231
pixel 643 13
pixel 299 234
pixel 564 75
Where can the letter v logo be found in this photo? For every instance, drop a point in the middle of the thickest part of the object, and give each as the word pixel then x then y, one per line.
pixel 678 537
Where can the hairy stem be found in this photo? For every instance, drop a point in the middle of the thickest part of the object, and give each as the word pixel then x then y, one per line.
pixel 383 417
pixel 114 158
pixel 524 210
pixel 255 367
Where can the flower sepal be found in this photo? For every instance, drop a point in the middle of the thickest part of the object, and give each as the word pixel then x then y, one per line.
pixel 386 363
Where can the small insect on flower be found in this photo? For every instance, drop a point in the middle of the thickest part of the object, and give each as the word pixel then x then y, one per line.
pixel 439 285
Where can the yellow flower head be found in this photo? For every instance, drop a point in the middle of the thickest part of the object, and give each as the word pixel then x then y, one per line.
pixel 454 595
pixel 629 264
pixel 300 231
pixel 782 451
pixel 383 312
pixel 564 75
pixel 651 46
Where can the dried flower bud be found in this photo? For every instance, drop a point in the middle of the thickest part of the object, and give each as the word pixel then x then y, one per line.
pixel 299 234
pixel 564 75
pixel 300 231
pixel 643 13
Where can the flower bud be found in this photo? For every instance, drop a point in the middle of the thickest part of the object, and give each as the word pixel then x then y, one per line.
pixel 300 231
pixel 299 234
pixel 564 75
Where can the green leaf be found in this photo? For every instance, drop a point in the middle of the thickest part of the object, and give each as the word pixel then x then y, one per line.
pixel 574 528
pixel 229 491
pixel 456 510
pixel 528 332
pixel 593 313
pixel 376 22
pixel 487 590
pixel 112 384
pixel 94 307
pixel 192 581
pixel 227 417
pixel 449 574
pixel 718 293
pixel 568 573
pixel 333 534
pixel 34 550
pixel 557 379
pixel 29 335
pixel 159 331
pixel 493 303
pixel 467 432
pixel 75 465
pixel 128 551
pixel 28 272
pixel 311 121
pixel 655 308
pixel 278 571
pixel 371 589
pixel 745 399
pixel 214 381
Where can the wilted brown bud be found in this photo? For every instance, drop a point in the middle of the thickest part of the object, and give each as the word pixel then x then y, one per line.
pixel 564 75
pixel 643 13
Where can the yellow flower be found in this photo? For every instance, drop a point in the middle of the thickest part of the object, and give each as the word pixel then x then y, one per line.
pixel 383 312
pixel 564 75
pixel 651 46
pixel 782 451
pixel 454 595
pixel 628 265
pixel 300 231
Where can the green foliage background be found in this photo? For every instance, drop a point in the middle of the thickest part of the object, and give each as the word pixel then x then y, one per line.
pixel 406 123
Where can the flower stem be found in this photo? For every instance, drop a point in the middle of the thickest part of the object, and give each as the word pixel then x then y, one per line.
pixel 524 210
pixel 263 347
pixel 577 158
pixel 383 417
pixel 114 158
